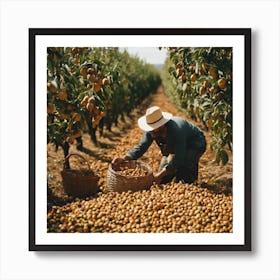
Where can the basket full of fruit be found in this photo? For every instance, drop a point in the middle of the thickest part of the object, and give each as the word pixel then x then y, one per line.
pixel 130 175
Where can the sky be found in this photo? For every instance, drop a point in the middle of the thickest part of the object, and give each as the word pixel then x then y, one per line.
pixel 150 55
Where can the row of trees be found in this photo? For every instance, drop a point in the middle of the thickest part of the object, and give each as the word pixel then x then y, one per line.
pixel 199 80
pixel 91 88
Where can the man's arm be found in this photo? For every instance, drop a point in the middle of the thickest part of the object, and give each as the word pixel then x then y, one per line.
pixel 135 152
pixel 141 148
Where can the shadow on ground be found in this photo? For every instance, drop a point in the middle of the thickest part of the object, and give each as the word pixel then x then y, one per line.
pixel 223 186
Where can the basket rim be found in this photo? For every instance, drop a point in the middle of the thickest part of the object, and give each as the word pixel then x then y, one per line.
pixel 150 171
pixel 81 171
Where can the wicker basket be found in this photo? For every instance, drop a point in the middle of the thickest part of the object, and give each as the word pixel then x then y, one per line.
pixel 120 183
pixel 79 182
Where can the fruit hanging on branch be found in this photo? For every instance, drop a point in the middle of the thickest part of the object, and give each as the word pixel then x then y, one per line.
pixel 52 86
pixel 85 83
pixel 206 91
pixel 222 83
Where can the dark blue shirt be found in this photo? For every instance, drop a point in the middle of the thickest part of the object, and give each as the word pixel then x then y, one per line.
pixel 182 139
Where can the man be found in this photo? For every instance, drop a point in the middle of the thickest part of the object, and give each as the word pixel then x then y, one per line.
pixel 181 144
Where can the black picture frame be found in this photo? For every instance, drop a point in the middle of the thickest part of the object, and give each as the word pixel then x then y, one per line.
pixel 35 166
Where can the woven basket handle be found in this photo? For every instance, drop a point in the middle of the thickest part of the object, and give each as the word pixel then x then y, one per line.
pixel 70 155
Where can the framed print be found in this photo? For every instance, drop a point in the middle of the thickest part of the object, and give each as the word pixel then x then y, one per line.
pixel 140 139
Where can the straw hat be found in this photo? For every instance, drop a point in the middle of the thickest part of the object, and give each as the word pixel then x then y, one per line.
pixel 153 119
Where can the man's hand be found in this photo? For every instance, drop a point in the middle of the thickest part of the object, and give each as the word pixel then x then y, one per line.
pixel 117 161
pixel 158 176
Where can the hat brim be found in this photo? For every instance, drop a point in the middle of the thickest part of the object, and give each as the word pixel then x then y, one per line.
pixel 142 123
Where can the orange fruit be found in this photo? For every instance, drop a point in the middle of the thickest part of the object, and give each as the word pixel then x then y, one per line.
pixel 105 81
pixel 83 71
pixel 204 66
pixel 76 61
pixel 91 100
pixel 179 72
pixel 77 117
pixel 206 84
pixel 90 107
pixel 62 95
pixel 52 87
pixel 178 65
pixel 184 78
pixel 50 108
pixel 99 82
pixel 193 77
pixel 97 88
pixel 222 83
pixel 85 101
pixel 218 96
pixel 202 90
pixel 91 78
pixel 211 89
pixel 213 72
pixel 74 50
pixel 192 68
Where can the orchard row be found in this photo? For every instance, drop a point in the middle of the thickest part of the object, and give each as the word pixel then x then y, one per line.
pixel 90 88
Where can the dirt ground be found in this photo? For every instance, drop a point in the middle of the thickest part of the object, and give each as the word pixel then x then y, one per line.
pixel 204 206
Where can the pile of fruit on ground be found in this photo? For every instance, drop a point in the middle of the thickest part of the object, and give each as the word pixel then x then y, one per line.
pixel 205 206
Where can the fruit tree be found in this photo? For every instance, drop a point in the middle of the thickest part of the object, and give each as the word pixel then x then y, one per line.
pixel 200 81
